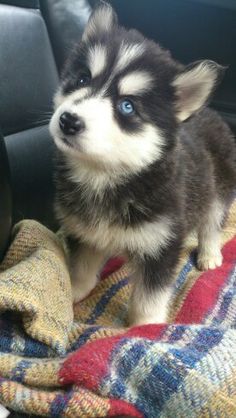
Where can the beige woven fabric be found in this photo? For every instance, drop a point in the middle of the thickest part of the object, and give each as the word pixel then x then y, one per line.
pixel 34 282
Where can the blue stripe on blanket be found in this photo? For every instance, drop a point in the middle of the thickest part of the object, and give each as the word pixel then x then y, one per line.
pixel 60 403
pixel 35 348
pixel 105 299
pixel 18 372
pixel 184 272
pixel 169 373
pixel 6 329
pixel 126 365
pixel 177 333
pixel 227 298
pixel 9 339
pixel 83 338
pixel 162 375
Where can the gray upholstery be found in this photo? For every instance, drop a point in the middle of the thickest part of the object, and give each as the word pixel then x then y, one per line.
pixel 5 199
pixel 30 155
pixel 28 75
pixel 28 80
pixel 32 4
pixel 65 21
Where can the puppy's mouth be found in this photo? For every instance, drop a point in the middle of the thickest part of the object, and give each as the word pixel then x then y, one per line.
pixel 71 143
pixel 68 142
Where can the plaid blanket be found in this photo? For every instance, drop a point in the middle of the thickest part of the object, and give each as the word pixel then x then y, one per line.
pixel 86 363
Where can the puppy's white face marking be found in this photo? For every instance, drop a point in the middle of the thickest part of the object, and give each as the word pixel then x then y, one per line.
pixel 103 141
pixel 97 59
pixel 79 94
pixel 135 83
pixel 127 54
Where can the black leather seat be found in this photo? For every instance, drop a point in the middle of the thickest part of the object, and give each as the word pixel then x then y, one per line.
pixel 65 21
pixel 5 198
pixel 28 80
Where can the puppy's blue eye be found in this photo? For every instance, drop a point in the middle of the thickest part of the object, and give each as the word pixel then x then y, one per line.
pixel 126 107
pixel 83 80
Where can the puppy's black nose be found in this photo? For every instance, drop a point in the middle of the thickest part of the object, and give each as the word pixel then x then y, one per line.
pixel 70 123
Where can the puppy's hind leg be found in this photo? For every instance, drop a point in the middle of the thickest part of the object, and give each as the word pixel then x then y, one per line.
pixel 209 248
pixel 85 263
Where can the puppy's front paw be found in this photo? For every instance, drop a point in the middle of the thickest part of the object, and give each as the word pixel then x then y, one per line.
pixel 81 290
pixel 149 307
pixel 135 319
pixel 210 261
pixel 78 294
pixel 157 319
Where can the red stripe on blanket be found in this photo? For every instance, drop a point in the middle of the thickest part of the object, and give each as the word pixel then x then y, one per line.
pixel 119 407
pixel 204 294
pixel 111 266
pixel 88 365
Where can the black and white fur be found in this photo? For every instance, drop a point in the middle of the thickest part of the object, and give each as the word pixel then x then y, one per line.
pixel 137 184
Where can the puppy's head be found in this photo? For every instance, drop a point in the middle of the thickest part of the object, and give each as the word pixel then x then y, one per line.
pixel 122 96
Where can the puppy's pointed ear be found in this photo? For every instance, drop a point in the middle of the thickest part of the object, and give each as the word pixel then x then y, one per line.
pixel 102 20
pixel 194 85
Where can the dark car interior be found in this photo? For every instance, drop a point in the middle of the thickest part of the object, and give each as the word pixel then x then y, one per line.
pixel 35 38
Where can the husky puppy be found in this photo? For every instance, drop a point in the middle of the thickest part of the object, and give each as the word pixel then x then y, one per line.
pixel 135 174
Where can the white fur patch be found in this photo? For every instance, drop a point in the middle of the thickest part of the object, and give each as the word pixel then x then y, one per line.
pixel 3 412
pixel 209 252
pixel 128 53
pixel 193 88
pixel 135 82
pixel 147 238
pixel 78 94
pixel 94 179
pixel 84 271
pixel 148 307
pixel 97 58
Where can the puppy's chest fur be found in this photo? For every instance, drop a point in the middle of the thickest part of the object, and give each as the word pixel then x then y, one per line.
pixel 131 216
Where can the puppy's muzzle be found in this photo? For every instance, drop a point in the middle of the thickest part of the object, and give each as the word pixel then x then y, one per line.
pixel 71 124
